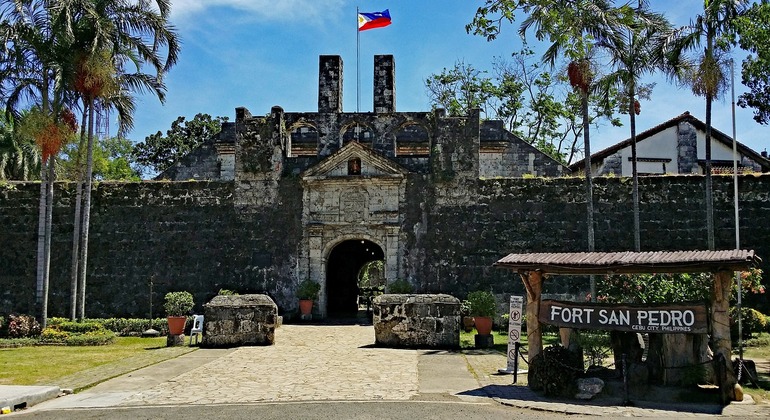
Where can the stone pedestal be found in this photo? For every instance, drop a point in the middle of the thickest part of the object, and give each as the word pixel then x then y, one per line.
pixel 238 320
pixel 484 341
pixel 417 321
pixel 174 340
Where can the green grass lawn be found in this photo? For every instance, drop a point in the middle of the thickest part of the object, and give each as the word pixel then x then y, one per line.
pixel 37 364
pixel 760 353
pixel 467 340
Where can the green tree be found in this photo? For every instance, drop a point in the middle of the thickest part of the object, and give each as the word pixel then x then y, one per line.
pixel 19 156
pixel 534 104
pixel 572 28
pixel 34 63
pixel 158 152
pixel 107 36
pixel 112 160
pixel 634 53
pixel 753 29
pixel 463 88
pixel 715 28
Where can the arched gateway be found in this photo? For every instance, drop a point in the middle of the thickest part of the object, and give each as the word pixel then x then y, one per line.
pixel 342 271
pixel 351 216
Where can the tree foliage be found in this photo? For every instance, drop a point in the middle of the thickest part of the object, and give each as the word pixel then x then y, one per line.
pixel 158 152
pixel 112 160
pixel 20 157
pixel 534 103
pixel 753 29
pixel 670 287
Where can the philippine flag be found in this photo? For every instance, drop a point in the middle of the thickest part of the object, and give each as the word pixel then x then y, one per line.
pixel 373 20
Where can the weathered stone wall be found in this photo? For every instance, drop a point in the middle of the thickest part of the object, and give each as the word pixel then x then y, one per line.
pixel 199 236
pixel 181 235
pixel 418 321
pixel 239 320
pixel 457 230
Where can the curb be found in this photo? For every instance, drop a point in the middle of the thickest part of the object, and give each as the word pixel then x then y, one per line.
pixel 16 397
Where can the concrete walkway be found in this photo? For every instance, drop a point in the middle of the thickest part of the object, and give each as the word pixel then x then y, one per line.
pixel 313 363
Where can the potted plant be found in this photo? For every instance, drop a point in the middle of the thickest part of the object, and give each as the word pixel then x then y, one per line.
pixel 307 293
pixel 177 306
pixel 465 313
pixel 482 308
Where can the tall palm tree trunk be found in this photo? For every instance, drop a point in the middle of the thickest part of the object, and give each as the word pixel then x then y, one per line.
pixel 77 222
pixel 709 192
pixel 634 173
pixel 589 186
pixel 710 35
pixel 41 274
pixel 48 239
pixel 86 214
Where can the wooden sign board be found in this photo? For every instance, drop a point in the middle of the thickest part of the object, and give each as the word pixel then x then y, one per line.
pixel 652 318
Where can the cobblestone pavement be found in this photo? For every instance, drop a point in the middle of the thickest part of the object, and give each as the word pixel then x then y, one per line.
pixel 306 363
pixel 340 363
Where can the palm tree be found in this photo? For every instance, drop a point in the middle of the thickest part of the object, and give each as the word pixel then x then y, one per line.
pixel 32 70
pixel 574 28
pixel 19 157
pixel 109 35
pixel 637 51
pixel 715 27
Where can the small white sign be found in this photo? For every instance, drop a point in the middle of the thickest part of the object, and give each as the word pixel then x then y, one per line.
pixel 515 316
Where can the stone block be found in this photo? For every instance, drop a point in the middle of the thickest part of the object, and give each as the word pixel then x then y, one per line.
pixel 239 320
pixel 484 341
pixel 416 320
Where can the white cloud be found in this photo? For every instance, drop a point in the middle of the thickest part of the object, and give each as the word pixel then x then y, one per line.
pixel 274 10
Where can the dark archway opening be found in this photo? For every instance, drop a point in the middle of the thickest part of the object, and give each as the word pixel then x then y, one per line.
pixel 343 266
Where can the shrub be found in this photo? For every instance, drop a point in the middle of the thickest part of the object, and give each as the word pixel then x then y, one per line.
pixel 555 370
pixel 99 338
pixel 178 303
pixel 227 292
pixel 308 289
pixel 80 327
pixel 131 326
pixel 482 303
pixel 8 343
pixel 54 335
pixel 753 321
pixel 400 286
pixel 23 326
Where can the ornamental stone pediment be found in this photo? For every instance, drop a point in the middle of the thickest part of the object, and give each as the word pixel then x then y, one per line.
pixel 354 161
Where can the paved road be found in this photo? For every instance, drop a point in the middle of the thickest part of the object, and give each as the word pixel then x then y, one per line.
pixel 333 370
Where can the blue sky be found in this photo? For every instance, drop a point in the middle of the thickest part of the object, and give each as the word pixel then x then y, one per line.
pixel 259 53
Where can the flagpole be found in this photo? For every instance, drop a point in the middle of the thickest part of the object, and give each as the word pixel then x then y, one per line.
pixel 358 68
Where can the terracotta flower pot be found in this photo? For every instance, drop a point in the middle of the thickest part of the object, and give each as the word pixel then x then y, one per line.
pixel 483 324
pixel 468 323
pixel 176 324
pixel 305 306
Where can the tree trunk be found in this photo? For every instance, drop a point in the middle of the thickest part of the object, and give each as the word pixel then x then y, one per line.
pixel 634 173
pixel 75 251
pixel 589 186
pixel 720 326
pixel 48 239
pixel 86 214
pixel 709 100
pixel 41 274
pixel 533 282
pixel 77 226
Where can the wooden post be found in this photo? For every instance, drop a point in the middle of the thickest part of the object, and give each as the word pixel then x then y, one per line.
pixel 720 327
pixel 533 281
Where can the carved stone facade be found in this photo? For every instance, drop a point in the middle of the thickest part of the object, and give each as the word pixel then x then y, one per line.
pixel 353 170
